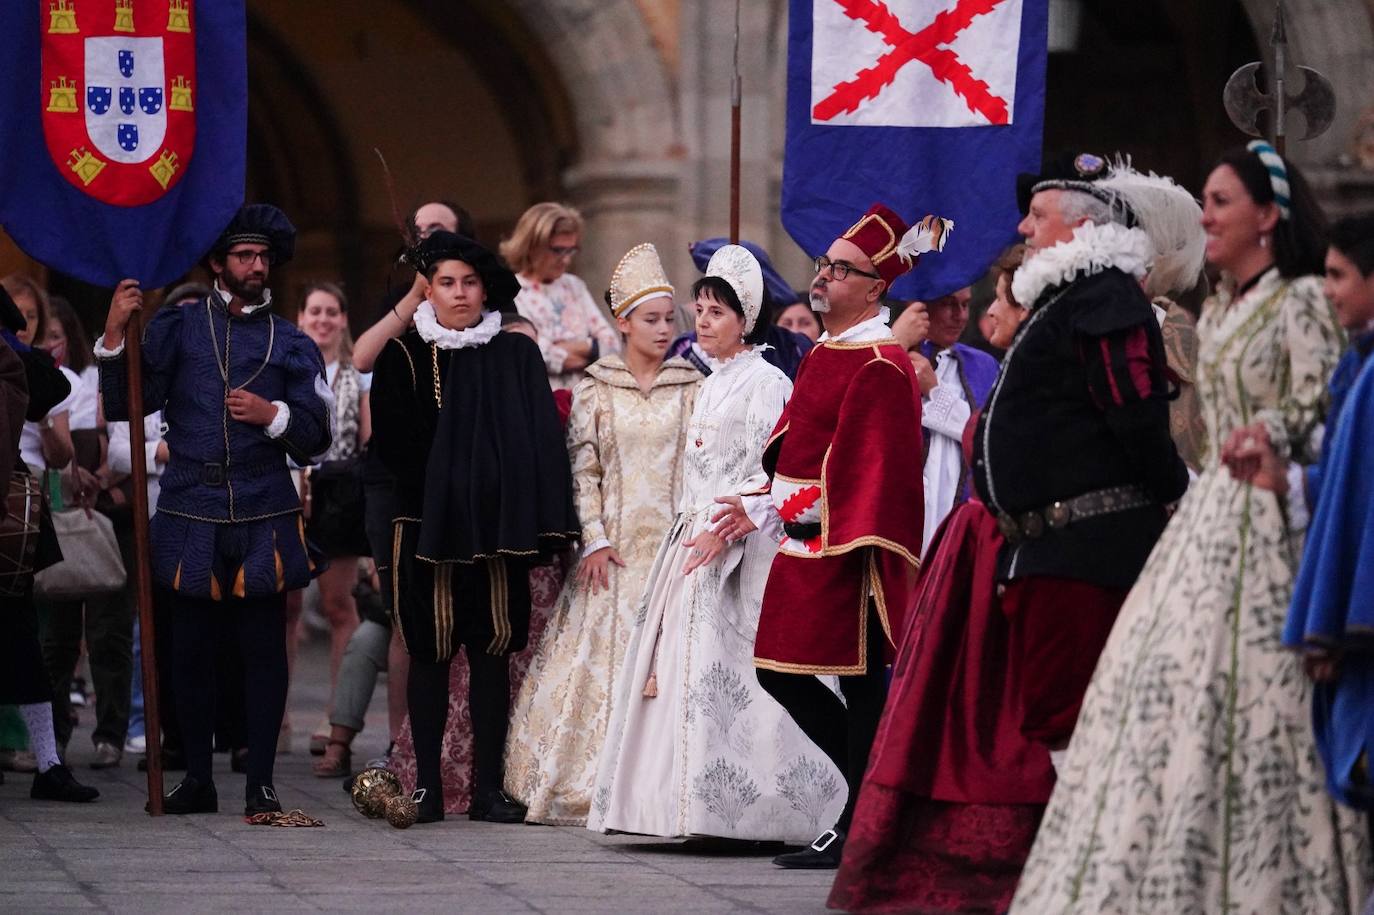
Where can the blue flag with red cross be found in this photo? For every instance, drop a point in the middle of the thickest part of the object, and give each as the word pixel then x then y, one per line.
pixel 928 106
pixel 123 125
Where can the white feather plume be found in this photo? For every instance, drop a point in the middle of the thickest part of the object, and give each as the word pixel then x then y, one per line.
pixel 927 235
pixel 1172 219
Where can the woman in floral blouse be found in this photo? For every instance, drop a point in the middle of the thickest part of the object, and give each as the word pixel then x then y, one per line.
pixel 573 331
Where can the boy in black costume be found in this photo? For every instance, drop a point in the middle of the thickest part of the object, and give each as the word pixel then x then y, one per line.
pixel 464 419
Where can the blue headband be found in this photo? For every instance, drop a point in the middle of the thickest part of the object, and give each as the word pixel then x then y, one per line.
pixel 1278 175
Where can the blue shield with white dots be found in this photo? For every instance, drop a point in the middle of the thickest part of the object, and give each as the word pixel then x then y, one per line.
pixel 126 99
pixel 128 137
pixel 126 63
pixel 98 99
pixel 150 100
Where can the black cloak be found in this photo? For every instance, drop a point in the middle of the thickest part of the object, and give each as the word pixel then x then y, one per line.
pixel 488 473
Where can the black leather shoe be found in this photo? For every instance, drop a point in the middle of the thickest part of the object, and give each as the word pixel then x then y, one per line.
pixel 191 796
pixel 262 799
pixel 496 807
pixel 431 804
pixel 822 854
pixel 58 784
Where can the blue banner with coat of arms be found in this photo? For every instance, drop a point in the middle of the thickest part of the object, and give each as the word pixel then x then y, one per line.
pixel 928 106
pixel 123 125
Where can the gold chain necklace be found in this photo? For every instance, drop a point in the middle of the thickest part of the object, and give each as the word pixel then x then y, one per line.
pixel 434 361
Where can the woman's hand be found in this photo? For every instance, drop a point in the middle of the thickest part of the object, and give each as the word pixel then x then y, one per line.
pixel 702 549
pixel 1250 456
pixel 247 407
pixel 732 523
pixel 594 572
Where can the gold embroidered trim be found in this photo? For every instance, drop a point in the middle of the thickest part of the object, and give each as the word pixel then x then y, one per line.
pixel 500 607
pixel 797 480
pixel 783 667
pixel 887 249
pixel 396 579
pixel 414 381
pixel 443 613
pixel 860 344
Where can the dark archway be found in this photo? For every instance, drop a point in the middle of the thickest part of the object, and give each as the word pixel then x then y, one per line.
pixel 1151 72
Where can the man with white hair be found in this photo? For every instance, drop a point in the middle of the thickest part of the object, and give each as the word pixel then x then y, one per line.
pixel 1072 451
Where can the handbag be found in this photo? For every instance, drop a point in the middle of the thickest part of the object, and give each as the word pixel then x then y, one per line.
pixel 337 522
pixel 19 533
pixel 91 563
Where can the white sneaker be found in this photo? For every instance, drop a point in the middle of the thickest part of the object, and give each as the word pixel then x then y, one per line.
pixel 136 745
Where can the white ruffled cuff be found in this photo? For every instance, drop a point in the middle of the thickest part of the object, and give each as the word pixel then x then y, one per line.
pixel 945 412
pixel 599 544
pixel 764 515
pixel 102 353
pixel 277 427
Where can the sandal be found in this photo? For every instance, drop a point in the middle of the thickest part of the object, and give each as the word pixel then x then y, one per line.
pixel 319 739
pixel 336 767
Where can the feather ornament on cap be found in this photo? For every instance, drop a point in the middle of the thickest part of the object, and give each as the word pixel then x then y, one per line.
pixel 637 278
pixel 927 235
pixel 741 270
pixel 1170 216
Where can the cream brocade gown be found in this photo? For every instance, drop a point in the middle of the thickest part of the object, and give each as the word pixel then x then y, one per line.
pixel 712 754
pixel 626 450
pixel 1192 783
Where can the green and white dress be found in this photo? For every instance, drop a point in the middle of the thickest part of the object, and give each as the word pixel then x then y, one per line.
pixel 1192 784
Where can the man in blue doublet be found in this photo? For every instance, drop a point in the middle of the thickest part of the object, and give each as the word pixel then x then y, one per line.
pixel 241 390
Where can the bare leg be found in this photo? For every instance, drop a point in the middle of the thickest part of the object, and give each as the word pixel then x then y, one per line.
pixel 340 610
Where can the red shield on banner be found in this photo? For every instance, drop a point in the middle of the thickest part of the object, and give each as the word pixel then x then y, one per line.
pixel 118 94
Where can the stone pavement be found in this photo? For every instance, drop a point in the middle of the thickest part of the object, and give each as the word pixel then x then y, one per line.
pixel 111 856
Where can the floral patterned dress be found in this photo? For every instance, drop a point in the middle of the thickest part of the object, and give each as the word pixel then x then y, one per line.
pixel 626 448
pixel 707 751
pixel 1192 784
pixel 564 310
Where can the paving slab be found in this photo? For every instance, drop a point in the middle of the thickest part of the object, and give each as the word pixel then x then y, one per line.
pixel 110 856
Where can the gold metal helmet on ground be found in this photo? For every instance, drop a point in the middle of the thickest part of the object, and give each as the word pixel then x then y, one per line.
pixel 371 789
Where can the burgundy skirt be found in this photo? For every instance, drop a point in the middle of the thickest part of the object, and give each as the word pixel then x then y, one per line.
pixel 953 794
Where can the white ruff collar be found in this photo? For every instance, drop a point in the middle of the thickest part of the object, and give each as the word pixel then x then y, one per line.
pixel 431 331
pixel 1092 249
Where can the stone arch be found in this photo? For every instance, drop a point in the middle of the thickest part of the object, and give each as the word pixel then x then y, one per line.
pixel 626 176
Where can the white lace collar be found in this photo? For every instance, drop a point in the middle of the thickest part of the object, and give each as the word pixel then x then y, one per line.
pixel 431 331
pixel 1092 249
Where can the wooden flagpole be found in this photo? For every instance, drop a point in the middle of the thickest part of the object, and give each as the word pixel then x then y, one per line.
pixel 735 96
pixel 143 579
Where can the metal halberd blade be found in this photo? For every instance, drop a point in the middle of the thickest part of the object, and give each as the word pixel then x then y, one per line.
pixel 1244 100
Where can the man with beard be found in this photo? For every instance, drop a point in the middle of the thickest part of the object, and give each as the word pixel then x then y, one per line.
pixel 241 390
pixel 839 462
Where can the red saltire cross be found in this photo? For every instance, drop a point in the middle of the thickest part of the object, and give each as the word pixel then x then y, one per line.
pixel 908 46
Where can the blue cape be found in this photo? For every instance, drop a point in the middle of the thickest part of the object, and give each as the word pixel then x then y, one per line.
pixel 1333 598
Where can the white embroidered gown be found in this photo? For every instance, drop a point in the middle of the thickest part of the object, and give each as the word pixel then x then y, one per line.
pixel 626 448
pixel 712 753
